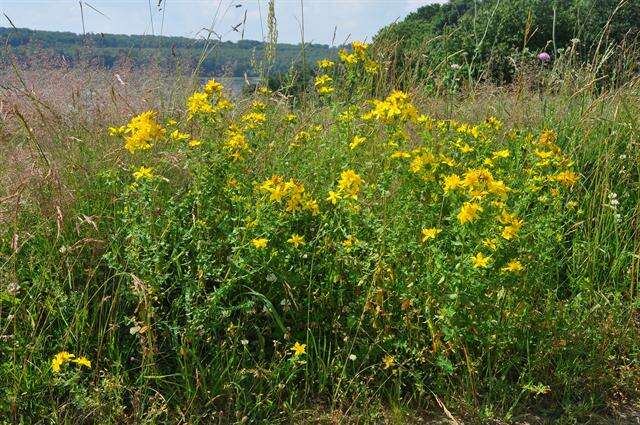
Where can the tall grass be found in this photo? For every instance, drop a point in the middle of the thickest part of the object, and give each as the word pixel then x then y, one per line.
pixel 158 284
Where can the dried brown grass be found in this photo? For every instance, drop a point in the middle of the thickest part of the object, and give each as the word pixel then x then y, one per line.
pixel 53 122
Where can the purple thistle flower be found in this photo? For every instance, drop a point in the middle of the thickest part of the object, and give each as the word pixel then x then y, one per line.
pixel 544 57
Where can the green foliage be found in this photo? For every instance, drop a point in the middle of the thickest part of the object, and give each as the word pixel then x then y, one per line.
pixel 488 39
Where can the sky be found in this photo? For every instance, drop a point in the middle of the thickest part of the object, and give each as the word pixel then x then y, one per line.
pixel 350 19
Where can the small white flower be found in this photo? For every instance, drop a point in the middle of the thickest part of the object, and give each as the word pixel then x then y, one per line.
pixel 352 357
pixel 244 342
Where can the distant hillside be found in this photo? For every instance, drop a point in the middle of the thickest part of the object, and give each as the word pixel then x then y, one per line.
pixel 226 58
pixel 482 36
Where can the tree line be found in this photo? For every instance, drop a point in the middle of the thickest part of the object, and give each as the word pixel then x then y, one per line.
pixel 225 58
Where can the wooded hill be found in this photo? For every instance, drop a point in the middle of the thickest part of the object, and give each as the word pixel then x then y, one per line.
pixel 225 58
pixel 484 36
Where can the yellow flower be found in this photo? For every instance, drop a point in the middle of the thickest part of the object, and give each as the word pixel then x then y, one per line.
pixel 260 243
pixel 566 178
pixel 60 359
pixel 258 105
pixel 513 266
pixel 325 64
pixel 143 173
pixel 357 141
pixel 223 104
pixel 506 217
pixel 544 154
pixel 400 154
pixel 397 106
pixel 480 261
pixel 312 206
pixel 236 143
pixel 333 197
pixel 477 178
pixel 323 84
pixel 548 137
pixel 212 87
pixel 350 183
pixel 117 131
pixel 419 162
pixel 388 362
pixel 465 148
pixel 194 143
pixel 349 242
pixel 431 233
pixel 501 154
pixel 359 48
pixel 511 230
pixel 323 80
pixel 82 361
pixel 299 349
pixel 64 357
pixel 296 240
pixel 447 161
pixel 253 120
pixel 469 212
pixel 492 244
pixel 497 187
pixel 199 103
pixel 347 58
pixel 494 123
pixel 142 131
pixel 325 90
pixel 178 136
pixel 452 182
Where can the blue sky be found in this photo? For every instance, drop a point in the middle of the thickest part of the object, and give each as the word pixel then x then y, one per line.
pixel 354 19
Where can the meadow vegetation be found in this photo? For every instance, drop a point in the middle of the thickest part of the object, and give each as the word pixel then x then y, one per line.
pixel 350 253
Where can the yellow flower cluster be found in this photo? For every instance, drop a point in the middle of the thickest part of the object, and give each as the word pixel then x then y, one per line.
pixel 141 132
pixel 253 120
pixel 323 84
pixel 396 107
pixel 291 193
pixel 143 172
pixel 325 64
pixel 349 186
pixel 260 243
pixel 209 101
pixel 512 225
pixel 469 212
pixel 549 154
pixel 358 53
pixel 65 357
pixel 236 143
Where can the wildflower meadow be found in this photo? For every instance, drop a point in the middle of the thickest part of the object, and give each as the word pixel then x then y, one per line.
pixel 356 253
